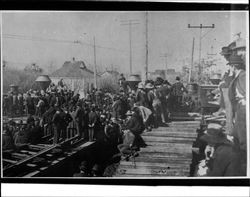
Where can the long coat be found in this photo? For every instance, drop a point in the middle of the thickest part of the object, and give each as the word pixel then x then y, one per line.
pixel 238 86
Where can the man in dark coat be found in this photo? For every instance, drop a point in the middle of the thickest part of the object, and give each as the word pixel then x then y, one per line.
pixel 36 133
pixel 20 104
pixel 117 107
pixel 66 119
pixel 136 126
pixel 7 139
pixel 93 123
pixel 57 126
pixel 225 159
pixel 78 119
pixel 10 104
pixel 165 91
pixel 177 90
pixel 141 96
pixel 237 96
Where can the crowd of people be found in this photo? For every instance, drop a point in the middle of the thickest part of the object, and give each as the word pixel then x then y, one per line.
pixel 116 121
pixel 91 118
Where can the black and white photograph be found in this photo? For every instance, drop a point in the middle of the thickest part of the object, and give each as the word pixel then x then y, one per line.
pixel 125 94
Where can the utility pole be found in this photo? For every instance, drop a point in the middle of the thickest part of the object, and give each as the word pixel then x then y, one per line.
pixel 129 23
pixel 146 63
pixel 201 36
pixel 166 63
pixel 192 62
pixel 95 77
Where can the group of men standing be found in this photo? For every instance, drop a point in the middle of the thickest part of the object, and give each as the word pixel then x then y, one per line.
pixel 227 148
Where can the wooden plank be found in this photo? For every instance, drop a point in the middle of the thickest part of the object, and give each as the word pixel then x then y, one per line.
pixel 10 161
pixel 168 145
pixel 44 145
pixel 32 174
pixel 176 160
pixel 37 146
pixel 28 152
pixel 180 150
pixel 152 165
pixel 150 171
pixel 168 155
pixel 20 155
pixel 170 134
pixel 31 165
pixel 185 122
pixel 168 139
pixel 153 176
pixel 178 127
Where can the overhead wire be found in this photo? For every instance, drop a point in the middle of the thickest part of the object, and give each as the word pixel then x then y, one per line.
pixel 34 38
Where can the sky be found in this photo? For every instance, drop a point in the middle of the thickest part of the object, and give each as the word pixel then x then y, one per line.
pixel 49 38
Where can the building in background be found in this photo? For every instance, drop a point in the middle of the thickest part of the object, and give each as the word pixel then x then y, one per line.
pixel 110 74
pixel 156 73
pixel 171 75
pixel 75 75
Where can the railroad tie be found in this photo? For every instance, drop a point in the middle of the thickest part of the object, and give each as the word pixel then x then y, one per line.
pixel 168 154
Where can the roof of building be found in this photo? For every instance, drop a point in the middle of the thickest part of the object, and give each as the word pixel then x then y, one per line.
pixel 76 69
pixel 111 72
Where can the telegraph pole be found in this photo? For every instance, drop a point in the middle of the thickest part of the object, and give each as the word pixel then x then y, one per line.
pixel 166 63
pixel 146 63
pixel 201 36
pixel 95 77
pixel 192 62
pixel 129 23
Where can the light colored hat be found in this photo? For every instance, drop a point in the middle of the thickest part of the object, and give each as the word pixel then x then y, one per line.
pixel 141 85
pixel 129 113
pixel 149 86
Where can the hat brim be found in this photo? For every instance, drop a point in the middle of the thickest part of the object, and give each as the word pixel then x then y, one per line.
pixel 213 139
pixel 231 63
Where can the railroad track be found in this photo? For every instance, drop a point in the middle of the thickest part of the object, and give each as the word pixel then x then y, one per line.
pixel 168 154
pixel 34 160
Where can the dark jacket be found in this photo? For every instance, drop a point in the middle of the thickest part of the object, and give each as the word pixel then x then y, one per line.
pixel 142 98
pixel 135 124
pixel 226 161
pixel 93 118
pixel 117 108
pixel 79 115
pixel 36 135
pixel 177 89
pixel 57 120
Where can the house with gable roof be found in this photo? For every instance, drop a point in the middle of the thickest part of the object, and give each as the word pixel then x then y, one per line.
pixel 76 76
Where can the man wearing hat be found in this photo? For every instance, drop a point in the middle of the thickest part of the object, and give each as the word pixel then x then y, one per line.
pixel 225 104
pixel 150 95
pixel 237 96
pixel 177 90
pixel 224 159
pixel 165 91
pixel 136 126
pixel 79 119
pixel 226 52
pixel 93 123
pixel 141 95
pixel 117 107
